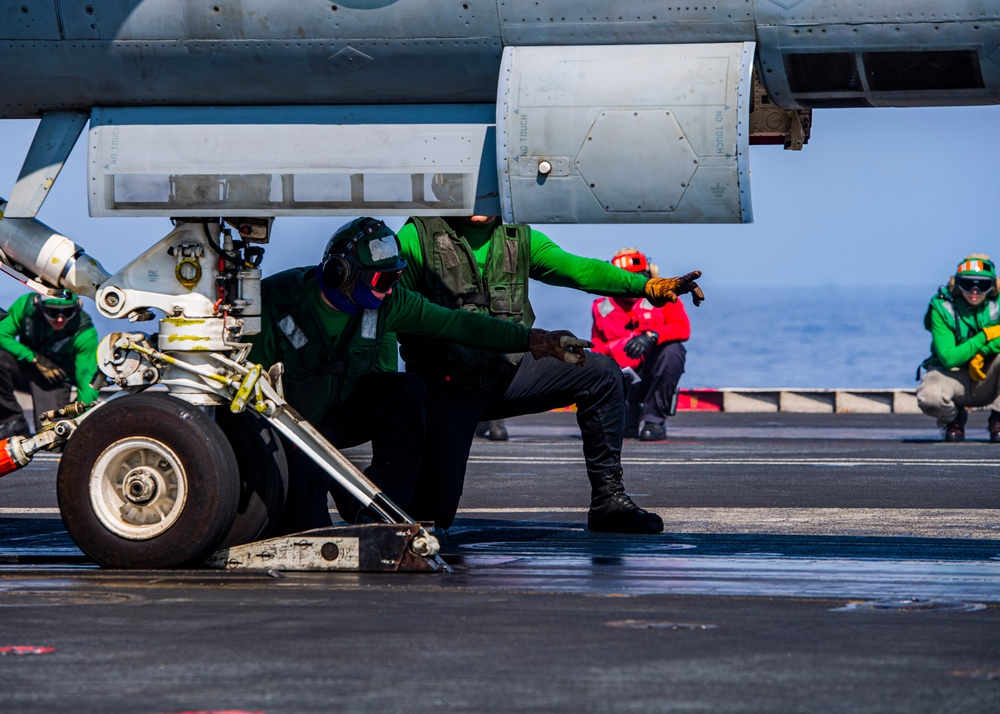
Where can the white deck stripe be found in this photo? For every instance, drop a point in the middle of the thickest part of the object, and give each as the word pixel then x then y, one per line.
pixel 798 461
pixel 967 523
pixel 22 511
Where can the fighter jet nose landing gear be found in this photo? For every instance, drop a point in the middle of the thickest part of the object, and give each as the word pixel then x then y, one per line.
pixel 154 479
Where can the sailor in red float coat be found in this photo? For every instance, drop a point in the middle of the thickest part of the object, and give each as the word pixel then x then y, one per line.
pixel 646 342
pixel 616 321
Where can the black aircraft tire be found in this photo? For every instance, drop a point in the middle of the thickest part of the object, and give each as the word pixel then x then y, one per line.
pixel 148 481
pixel 263 475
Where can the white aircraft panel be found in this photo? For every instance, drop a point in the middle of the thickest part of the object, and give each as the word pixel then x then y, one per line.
pixel 292 161
pixel 625 134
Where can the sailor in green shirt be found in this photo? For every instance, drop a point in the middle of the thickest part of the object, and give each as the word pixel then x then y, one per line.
pixel 329 325
pixel 963 370
pixel 481 265
pixel 47 346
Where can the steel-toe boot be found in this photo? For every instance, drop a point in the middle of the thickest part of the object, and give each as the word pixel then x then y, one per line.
pixel 612 511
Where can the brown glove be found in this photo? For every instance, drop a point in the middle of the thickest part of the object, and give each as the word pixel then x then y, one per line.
pixel 660 291
pixel 50 371
pixel 561 344
pixel 992 332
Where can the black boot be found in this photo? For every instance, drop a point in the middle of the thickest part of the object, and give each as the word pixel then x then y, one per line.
pixel 14 426
pixel 994 426
pixel 955 430
pixel 494 430
pixel 653 432
pixel 497 431
pixel 612 511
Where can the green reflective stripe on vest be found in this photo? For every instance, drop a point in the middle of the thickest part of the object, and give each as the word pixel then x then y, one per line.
pixel 317 380
pixel 451 277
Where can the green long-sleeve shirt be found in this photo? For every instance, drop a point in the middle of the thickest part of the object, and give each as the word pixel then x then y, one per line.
pixel 549 263
pixel 954 348
pixel 25 333
pixel 406 312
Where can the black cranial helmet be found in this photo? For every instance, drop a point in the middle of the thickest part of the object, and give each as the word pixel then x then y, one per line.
pixel 365 249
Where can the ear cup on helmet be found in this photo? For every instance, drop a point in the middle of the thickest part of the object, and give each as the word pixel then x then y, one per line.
pixel 336 271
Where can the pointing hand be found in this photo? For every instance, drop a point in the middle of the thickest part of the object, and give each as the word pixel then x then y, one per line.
pixel 660 291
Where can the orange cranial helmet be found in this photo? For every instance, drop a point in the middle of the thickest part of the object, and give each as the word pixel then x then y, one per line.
pixel 635 261
pixel 631 259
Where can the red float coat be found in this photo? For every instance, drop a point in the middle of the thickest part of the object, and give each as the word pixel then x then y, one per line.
pixel 614 326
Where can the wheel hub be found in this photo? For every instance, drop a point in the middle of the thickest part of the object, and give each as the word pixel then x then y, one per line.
pixel 139 486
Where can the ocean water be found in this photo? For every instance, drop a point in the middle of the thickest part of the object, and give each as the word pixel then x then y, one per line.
pixel 827 338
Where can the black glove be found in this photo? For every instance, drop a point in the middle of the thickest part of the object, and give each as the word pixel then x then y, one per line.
pixel 641 344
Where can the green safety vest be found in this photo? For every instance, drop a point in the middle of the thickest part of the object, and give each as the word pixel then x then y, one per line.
pixel 319 377
pixel 944 304
pixel 40 338
pixel 451 277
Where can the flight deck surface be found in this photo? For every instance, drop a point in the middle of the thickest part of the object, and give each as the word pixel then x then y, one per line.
pixel 813 563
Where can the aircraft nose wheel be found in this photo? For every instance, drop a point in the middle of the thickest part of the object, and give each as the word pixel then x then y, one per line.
pixel 148 481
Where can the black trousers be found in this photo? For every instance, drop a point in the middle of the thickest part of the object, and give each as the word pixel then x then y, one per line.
pixel 654 397
pixel 22 376
pixel 385 408
pixel 536 386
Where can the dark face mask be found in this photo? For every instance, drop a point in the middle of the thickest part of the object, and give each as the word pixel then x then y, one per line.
pixel 352 297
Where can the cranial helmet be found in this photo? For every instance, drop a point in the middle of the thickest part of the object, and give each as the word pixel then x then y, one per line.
pixel 370 241
pixel 635 261
pixel 64 304
pixel 361 257
pixel 976 268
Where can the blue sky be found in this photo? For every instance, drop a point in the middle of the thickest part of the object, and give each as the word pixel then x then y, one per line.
pixel 879 197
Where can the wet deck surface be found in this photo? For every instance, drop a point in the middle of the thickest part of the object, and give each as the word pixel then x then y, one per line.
pixel 811 563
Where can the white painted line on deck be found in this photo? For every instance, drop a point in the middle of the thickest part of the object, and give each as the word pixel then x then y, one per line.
pixel 962 523
pixel 29 511
pixel 553 509
pixel 798 461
